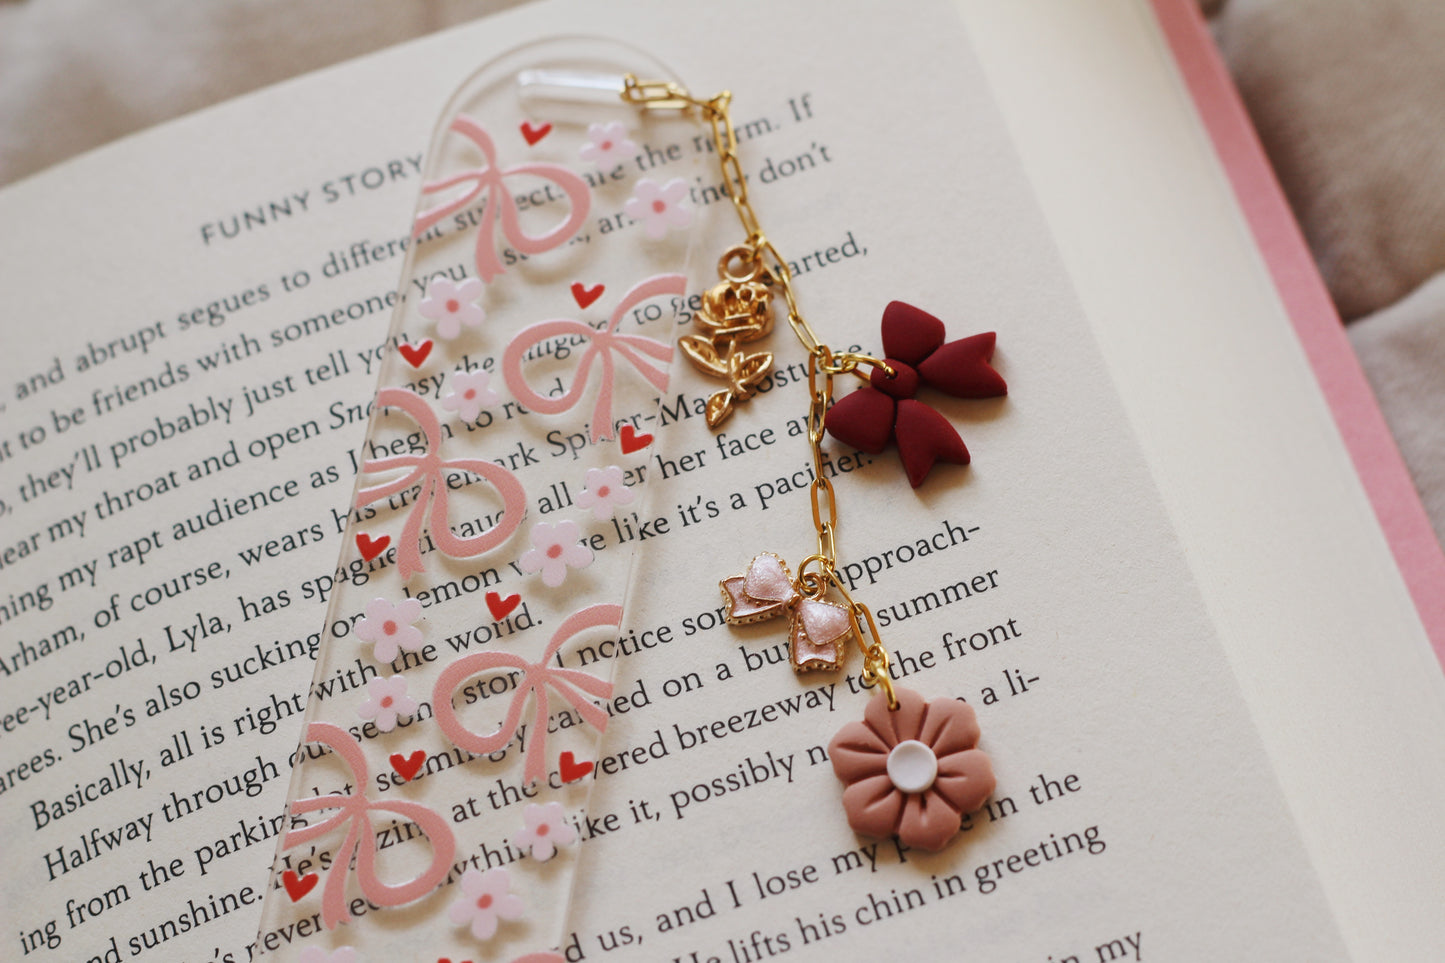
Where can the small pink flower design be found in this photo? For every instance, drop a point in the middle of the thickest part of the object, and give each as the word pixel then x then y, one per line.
pixel 386 699
pixel 470 394
pixel 388 626
pixel 660 208
pixel 608 145
pixel 317 954
pixel 452 305
pixel 555 548
pixel 605 491
pixel 913 771
pixel 545 830
pixel 486 898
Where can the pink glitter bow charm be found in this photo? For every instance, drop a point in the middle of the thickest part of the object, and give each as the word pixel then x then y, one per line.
pixel 359 844
pixel 573 685
pixel 429 470
pixel 816 629
pixel 601 345
pixel 499 202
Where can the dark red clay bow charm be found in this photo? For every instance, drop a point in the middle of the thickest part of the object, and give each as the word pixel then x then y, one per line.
pixel 886 411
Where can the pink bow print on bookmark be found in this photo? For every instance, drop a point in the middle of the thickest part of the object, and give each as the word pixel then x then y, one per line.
pixel 816 629
pixel 429 470
pixel 491 180
pixel 360 842
pixel 602 344
pixel 573 685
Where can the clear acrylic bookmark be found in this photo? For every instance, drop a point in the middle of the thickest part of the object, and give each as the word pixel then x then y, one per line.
pixel 464 681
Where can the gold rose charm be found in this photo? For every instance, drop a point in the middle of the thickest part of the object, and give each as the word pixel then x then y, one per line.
pixel 734 312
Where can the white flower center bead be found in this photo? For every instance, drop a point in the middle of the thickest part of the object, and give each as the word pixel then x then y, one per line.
pixel 912 766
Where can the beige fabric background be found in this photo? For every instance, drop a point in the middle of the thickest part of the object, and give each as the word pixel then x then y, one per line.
pixel 75 74
pixel 1348 97
pixel 1403 350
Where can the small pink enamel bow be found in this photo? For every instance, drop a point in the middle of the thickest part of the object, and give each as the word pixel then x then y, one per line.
pixel 499 200
pixel 600 347
pixel 570 684
pixel 815 629
pixel 429 470
pixel 360 842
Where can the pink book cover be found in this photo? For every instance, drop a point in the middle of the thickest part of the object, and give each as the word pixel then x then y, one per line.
pixel 1317 324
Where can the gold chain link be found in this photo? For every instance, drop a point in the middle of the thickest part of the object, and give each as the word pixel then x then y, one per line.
pixel 818 571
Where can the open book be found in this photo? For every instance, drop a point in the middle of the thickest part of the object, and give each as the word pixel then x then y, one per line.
pixel 1212 707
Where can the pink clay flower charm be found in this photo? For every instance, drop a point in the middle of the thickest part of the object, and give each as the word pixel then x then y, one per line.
pixel 913 771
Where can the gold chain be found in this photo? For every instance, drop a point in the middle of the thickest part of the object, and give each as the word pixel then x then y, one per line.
pixel 762 260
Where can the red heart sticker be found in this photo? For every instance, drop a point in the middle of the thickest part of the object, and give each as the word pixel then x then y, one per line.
pixel 415 354
pixel 371 547
pixel 632 441
pixel 298 886
pixel 571 769
pixel 407 766
pixel 502 607
pixel 534 132
pixel 585 296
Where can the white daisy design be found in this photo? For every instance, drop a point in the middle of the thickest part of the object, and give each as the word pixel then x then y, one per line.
pixel 386 699
pixel 452 305
pixel 544 830
pixel 660 208
pixel 486 899
pixel 605 491
pixel 470 394
pixel 555 548
pixel 608 145
pixel 388 626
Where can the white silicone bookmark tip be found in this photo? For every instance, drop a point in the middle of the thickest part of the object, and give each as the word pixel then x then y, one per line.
pixel 540 85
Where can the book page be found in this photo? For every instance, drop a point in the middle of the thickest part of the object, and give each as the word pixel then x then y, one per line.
pixel 1285 586
pixel 171 526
